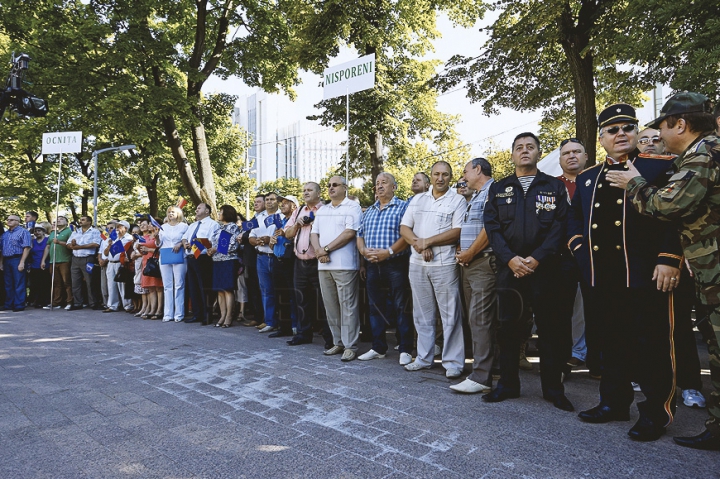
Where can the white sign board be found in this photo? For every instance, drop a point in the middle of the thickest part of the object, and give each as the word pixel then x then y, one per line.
pixel 62 142
pixel 350 77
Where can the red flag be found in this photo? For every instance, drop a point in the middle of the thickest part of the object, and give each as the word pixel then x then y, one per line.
pixel 181 202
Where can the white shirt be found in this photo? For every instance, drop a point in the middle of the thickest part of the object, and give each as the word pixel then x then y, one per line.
pixel 171 235
pixel 263 230
pixel 125 240
pixel 330 222
pixel 428 216
pixel 206 228
pixel 103 245
pixel 90 236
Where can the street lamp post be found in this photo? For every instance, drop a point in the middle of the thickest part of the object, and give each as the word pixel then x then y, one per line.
pixel 95 173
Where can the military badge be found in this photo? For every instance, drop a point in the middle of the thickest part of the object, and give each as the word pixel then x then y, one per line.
pixel 587 183
pixel 508 189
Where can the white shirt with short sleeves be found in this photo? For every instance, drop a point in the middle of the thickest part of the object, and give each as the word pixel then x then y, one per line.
pixel 428 216
pixel 205 229
pixel 263 230
pixel 330 222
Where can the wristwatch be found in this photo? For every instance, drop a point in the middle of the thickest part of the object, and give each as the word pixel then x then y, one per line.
pixel 327 249
pixel 391 251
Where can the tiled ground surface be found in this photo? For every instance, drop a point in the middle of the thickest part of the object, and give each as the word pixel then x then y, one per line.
pixel 89 395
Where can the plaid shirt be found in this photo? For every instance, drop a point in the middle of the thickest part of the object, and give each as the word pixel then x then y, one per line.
pixel 15 241
pixel 473 222
pixel 380 228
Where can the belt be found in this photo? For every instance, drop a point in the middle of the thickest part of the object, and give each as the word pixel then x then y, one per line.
pixel 13 256
pixel 265 254
pixel 307 261
pixel 113 261
pixel 484 254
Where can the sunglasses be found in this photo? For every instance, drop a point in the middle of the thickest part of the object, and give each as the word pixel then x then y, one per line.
pixel 461 184
pixel 571 140
pixel 648 140
pixel 334 185
pixel 614 129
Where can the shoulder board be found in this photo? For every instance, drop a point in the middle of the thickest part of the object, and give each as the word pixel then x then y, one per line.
pixel 590 168
pixel 656 157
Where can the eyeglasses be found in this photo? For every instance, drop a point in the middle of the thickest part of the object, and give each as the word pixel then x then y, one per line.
pixel 461 184
pixel 649 139
pixel 614 129
pixel 334 185
pixel 571 140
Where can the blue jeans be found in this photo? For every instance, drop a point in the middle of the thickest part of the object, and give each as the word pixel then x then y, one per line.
pixel 15 283
pixel 388 292
pixel 267 290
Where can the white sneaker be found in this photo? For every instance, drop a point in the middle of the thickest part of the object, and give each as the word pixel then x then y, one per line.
pixel 267 329
pixel 437 351
pixel 294 331
pixel 67 308
pixel 470 387
pixel 372 354
pixel 693 398
pixel 405 358
pixel 348 355
pixel 333 350
pixel 636 387
pixel 52 307
pixel 453 373
pixel 417 366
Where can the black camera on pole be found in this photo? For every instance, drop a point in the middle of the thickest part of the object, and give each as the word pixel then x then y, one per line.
pixel 15 97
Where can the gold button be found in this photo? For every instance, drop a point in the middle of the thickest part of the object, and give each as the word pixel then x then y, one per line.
pixel 599 185
pixel 594 227
pixel 618 223
pixel 618 247
pixel 625 167
pixel 606 169
pixel 619 202
pixel 597 205
pixel 595 248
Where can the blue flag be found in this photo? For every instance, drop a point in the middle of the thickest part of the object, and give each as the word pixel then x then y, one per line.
pixel 113 235
pixel 224 242
pixel 116 248
pixel 154 222
pixel 278 221
pixel 139 238
pixel 250 225
pixel 274 220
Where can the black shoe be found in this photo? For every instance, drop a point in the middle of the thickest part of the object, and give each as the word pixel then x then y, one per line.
pixel 601 414
pixel 706 441
pixel 97 308
pixel 191 320
pixel 296 341
pixel 75 307
pixel 561 402
pixel 500 395
pixel 645 430
pixel 17 310
pixel 278 334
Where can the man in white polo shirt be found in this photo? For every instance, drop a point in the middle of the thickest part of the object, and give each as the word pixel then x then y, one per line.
pixel 333 238
pixel 431 226
pixel 116 291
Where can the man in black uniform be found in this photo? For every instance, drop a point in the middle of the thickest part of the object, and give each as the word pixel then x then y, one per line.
pixel 631 263
pixel 525 223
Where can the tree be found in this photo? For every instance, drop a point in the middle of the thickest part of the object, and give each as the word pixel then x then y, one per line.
pixel 557 55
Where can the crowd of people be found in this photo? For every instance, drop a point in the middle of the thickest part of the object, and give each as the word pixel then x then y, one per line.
pixel 607 263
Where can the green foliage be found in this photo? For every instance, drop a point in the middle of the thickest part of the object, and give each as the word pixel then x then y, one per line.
pixel 284 186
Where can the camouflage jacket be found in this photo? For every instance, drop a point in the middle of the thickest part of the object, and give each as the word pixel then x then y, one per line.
pixel 691 199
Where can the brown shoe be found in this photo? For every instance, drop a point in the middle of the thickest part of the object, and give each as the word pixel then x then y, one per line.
pixel 261 325
pixel 575 362
pixel 251 322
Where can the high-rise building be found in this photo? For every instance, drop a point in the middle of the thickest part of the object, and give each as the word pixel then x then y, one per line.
pixel 282 146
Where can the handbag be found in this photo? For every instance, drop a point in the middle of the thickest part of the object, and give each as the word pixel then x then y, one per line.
pixel 152 266
pixel 122 275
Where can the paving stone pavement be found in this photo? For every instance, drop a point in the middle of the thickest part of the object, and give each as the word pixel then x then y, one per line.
pixel 89 395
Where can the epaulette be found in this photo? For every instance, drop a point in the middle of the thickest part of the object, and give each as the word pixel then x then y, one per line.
pixel 656 157
pixel 590 168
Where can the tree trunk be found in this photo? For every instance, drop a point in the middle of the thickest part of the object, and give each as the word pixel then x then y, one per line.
pixel 376 155
pixel 202 158
pixel 73 211
pixel 85 200
pixel 153 195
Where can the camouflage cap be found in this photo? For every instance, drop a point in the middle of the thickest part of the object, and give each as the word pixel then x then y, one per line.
pixel 679 103
pixel 617 113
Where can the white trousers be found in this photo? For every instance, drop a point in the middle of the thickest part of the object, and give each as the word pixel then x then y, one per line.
pixel 173 277
pixel 340 296
pixel 437 288
pixel 116 291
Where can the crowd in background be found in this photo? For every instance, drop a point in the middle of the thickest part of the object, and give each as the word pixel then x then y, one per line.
pixel 464 269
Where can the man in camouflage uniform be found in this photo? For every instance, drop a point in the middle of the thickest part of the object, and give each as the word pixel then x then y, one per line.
pixel 691 199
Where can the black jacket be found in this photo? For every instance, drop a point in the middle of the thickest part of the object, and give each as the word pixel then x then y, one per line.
pixel 526 224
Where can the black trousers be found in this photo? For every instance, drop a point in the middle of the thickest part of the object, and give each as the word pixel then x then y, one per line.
pixel 199 282
pixel 635 337
pixel 283 272
pixel 686 351
pixel 309 301
pixel 39 282
pixel 520 301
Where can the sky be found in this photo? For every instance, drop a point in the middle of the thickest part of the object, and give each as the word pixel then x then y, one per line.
pixel 474 128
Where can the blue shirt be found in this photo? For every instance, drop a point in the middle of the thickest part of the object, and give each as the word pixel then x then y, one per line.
pixel 380 228
pixel 37 251
pixel 473 222
pixel 15 241
pixel 282 242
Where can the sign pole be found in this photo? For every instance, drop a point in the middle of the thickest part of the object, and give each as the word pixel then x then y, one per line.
pixel 57 212
pixel 347 130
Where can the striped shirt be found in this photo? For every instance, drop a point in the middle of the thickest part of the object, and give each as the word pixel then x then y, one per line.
pixel 14 241
pixel 380 228
pixel 525 181
pixel 473 222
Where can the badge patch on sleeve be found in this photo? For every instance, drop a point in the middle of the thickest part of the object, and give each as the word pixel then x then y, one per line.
pixel 675 184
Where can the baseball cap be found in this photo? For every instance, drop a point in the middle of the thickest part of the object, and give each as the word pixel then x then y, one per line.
pixel 292 198
pixel 124 223
pixel 679 103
